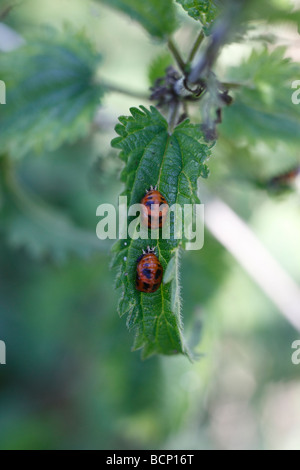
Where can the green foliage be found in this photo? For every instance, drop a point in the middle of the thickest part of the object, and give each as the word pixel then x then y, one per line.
pixel 52 95
pixel 52 235
pixel 158 66
pixel 263 107
pixel 156 16
pixel 204 11
pixel 5 8
pixel 43 231
pixel 273 11
pixel 71 381
pixel 173 163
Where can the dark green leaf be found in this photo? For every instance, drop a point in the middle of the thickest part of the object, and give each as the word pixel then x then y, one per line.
pixel 174 163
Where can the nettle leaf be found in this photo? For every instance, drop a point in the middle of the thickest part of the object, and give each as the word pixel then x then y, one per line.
pixel 174 163
pixel 204 11
pixel 52 95
pixel 263 107
pixel 156 16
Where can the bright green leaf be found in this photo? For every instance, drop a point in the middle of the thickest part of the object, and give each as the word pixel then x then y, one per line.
pixel 52 95
pixel 174 163
pixel 156 16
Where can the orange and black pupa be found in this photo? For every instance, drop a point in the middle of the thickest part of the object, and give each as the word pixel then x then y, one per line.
pixel 149 272
pixel 155 209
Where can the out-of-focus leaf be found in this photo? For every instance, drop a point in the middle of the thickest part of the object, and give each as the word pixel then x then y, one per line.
pixel 273 11
pixel 242 121
pixel 56 238
pixel 156 16
pixel 29 223
pixel 52 94
pixel 173 163
pixel 263 107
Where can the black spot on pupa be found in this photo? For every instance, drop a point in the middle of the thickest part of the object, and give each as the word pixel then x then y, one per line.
pixel 158 273
pixel 146 285
pixel 147 273
pixel 155 286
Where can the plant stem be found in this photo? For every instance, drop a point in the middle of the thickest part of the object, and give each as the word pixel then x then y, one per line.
pixel 196 46
pixel 124 91
pixel 6 11
pixel 173 48
pixel 239 239
pixel 173 113
pixel 220 36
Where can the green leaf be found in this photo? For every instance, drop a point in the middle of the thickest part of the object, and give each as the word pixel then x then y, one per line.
pixel 174 163
pixel 52 95
pixel 204 11
pixel 156 16
pixel 158 67
pixel 263 107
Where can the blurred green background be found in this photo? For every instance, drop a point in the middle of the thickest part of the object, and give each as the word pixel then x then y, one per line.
pixel 71 380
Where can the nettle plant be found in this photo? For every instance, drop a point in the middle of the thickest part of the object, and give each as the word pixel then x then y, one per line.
pixel 54 93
